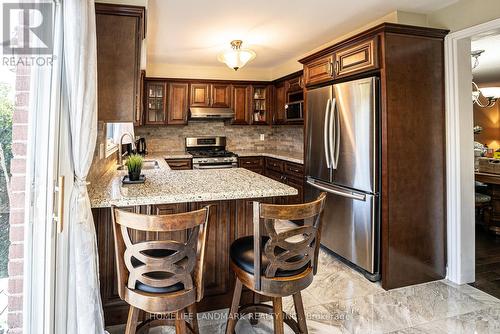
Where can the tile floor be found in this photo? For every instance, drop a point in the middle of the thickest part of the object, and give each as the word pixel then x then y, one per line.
pixel 341 300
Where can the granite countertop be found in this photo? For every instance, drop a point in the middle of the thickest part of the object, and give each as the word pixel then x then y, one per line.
pixel 165 186
pixel 171 155
pixel 278 154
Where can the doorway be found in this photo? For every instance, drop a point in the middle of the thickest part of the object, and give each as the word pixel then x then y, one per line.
pixel 485 48
pixel 461 167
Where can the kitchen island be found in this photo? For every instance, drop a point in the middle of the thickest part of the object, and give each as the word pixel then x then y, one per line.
pixel 229 191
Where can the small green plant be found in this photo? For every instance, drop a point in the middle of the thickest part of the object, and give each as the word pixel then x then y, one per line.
pixel 134 164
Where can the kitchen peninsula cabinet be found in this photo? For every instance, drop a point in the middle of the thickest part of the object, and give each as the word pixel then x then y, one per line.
pixel 409 62
pixel 120 30
pixel 229 192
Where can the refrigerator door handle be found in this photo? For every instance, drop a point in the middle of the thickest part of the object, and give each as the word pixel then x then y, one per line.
pixel 337 133
pixel 332 133
pixel 326 135
pixel 335 191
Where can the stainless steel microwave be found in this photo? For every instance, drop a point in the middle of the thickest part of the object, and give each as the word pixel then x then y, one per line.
pixel 294 111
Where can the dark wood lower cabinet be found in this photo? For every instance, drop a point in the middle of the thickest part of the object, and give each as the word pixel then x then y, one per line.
pixel 228 220
pixel 286 172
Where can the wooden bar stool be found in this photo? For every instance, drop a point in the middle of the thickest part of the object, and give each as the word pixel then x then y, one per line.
pixel 161 277
pixel 278 265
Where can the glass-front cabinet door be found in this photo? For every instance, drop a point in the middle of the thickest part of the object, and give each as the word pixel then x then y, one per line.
pixel 156 101
pixel 260 105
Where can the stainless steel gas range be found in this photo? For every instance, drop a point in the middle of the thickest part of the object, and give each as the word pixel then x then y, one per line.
pixel 210 153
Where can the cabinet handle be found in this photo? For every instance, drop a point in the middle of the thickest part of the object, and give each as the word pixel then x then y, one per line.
pixel 248 162
pixel 330 68
pixel 337 67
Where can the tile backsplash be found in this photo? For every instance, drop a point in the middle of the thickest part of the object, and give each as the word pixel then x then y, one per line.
pixel 239 137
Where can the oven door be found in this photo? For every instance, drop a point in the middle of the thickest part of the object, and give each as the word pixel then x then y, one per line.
pixel 293 111
pixel 217 165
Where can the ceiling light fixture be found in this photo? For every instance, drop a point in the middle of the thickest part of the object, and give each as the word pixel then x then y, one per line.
pixel 491 94
pixel 237 57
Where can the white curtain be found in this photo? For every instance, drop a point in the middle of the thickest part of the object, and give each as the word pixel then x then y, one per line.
pixel 85 315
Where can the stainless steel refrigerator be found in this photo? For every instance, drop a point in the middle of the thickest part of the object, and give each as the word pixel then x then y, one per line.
pixel 342 158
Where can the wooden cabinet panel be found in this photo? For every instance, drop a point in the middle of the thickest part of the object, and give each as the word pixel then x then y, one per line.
pixel 177 103
pixel 318 71
pixel 200 95
pixel 119 39
pixel 294 170
pixel 255 164
pixel 356 58
pixel 279 106
pixel 156 101
pixel 295 84
pixel 241 104
pixel 261 104
pixel 275 165
pixel 180 164
pixel 221 96
pixel 138 121
pixel 216 272
pixel 299 185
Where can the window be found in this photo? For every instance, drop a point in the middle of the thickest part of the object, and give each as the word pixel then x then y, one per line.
pixel 111 147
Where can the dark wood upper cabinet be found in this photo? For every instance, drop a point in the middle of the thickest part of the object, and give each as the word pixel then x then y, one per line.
pixel 359 57
pixel 352 58
pixel 155 111
pixel 139 113
pixel 241 104
pixel 280 102
pixel 120 30
pixel 210 95
pixel 319 70
pixel 200 95
pixel 295 84
pixel 261 107
pixel 221 95
pixel 177 103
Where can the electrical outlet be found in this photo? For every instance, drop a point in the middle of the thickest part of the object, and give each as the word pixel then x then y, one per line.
pixel 262 136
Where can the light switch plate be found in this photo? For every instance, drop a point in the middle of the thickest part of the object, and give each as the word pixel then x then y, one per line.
pixel 262 136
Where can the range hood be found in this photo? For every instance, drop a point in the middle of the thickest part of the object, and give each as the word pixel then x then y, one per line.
pixel 210 113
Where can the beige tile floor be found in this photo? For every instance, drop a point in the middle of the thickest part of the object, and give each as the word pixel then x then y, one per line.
pixel 341 300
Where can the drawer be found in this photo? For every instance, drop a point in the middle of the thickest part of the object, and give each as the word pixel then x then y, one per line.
pixel 180 164
pixel 294 170
pixel 275 175
pixel 251 162
pixel 275 165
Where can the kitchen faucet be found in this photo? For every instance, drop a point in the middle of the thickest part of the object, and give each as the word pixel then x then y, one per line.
pixel 120 154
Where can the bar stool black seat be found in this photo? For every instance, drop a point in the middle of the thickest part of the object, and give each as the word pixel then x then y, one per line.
pixel 279 264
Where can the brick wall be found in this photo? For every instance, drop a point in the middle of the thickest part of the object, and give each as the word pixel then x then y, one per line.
pixel 17 203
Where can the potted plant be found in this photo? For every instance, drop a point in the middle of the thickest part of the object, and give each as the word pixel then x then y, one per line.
pixel 134 166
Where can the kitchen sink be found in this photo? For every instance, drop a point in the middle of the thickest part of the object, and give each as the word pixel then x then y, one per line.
pixel 147 164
